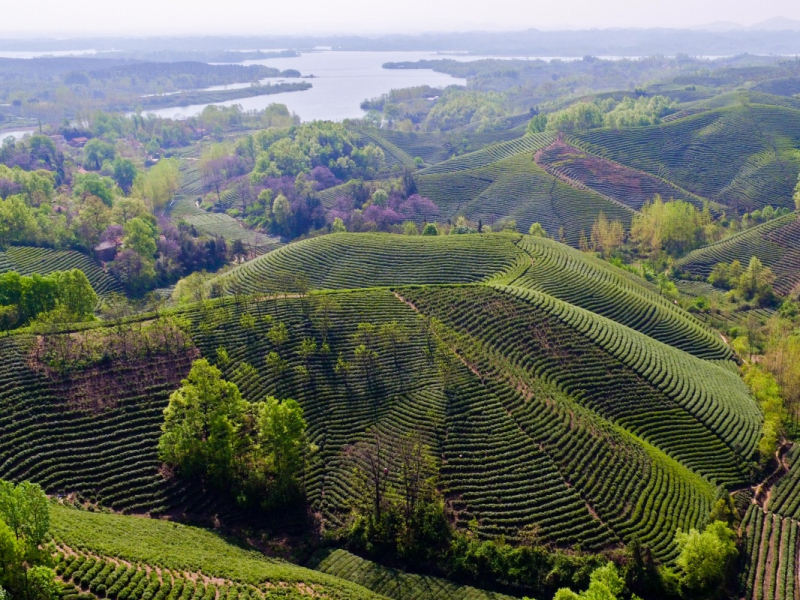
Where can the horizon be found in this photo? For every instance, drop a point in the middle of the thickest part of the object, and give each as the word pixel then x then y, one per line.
pixel 181 18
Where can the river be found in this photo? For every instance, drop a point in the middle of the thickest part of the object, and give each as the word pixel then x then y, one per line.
pixel 341 81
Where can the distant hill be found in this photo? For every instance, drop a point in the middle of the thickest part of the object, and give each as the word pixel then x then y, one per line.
pixel 776 243
pixel 26 260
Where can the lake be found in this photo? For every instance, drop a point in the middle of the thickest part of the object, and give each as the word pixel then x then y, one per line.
pixel 17 134
pixel 342 80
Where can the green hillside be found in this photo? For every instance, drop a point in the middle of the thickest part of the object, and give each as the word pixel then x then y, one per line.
pixel 26 260
pixel 190 561
pixel 776 243
pixel 497 184
pixel 343 261
pixel 392 583
pixel 741 156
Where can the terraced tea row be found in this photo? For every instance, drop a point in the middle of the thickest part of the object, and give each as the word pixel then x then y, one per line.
pixel 392 583
pixel 741 156
pixel 517 188
pixel 770 556
pixel 370 260
pixel 714 424
pixel 593 284
pixel 487 459
pixel 492 154
pixel 101 445
pixel 620 183
pixel 130 558
pixel 776 243
pixel 785 496
pixel 26 260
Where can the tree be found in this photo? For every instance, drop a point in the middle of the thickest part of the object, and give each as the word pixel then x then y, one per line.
pixel 756 283
pixel 338 226
pixel 430 229
pixel 281 213
pixel 605 583
pixel 96 152
pixel 537 230
pixel 140 236
pixel 380 197
pixel 705 558
pixel 675 227
pixel 283 444
pixel 124 173
pixel 159 184
pixel 607 236
pixel 75 293
pixel 24 532
pixel 797 194
pixel 199 433
pixel 93 219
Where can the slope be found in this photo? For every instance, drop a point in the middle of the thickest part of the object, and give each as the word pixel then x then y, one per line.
pixel 129 556
pixel 499 185
pixel 26 260
pixel 393 583
pixel 776 243
pixel 740 156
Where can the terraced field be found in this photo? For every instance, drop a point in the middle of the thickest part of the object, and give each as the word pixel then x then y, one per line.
pixel 553 392
pixel 741 156
pixel 517 188
pixel 612 180
pixel 776 243
pixel 122 557
pixel 371 260
pixel 492 154
pixel 93 433
pixel 785 496
pixel 185 207
pixel 27 260
pixel 770 556
pixel 392 583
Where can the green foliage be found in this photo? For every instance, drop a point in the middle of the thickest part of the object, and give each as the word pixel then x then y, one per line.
pixel 430 229
pixel 605 583
pixel 201 424
pixel 675 227
pixel 256 449
pixel 767 392
pixel 24 537
pixel 706 558
pixel 538 124
pixel 536 230
pixel 756 283
pixel 32 296
pixel 96 152
pixel 319 143
pixel 456 108
pixel 578 117
pixel 37 187
pixel 92 184
pixel 641 112
pixel 140 236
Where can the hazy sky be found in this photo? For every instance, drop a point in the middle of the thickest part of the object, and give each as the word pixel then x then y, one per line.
pixel 70 17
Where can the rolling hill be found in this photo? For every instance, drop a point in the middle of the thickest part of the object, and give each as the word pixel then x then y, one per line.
pixel 541 404
pixel 776 243
pixel 26 260
pixel 741 156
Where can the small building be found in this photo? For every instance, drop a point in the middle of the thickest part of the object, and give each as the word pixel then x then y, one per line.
pixel 106 251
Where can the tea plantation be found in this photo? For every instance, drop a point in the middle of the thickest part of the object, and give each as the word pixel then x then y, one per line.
pixel 776 243
pixel 26 260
